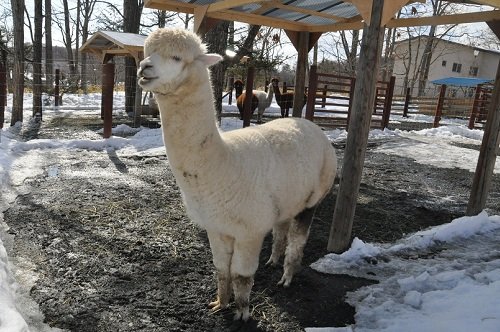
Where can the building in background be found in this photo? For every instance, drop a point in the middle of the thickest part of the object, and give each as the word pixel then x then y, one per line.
pixel 449 59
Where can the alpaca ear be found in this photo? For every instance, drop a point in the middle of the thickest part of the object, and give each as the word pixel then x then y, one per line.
pixel 210 59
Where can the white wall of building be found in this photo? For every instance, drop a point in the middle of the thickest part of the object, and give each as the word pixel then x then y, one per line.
pixel 451 53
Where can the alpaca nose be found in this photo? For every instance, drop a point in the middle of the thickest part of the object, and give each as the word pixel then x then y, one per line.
pixel 143 65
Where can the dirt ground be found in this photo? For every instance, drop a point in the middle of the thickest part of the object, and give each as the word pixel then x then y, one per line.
pixel 120 254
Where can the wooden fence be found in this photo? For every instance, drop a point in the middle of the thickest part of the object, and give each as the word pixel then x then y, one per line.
pixel 329 100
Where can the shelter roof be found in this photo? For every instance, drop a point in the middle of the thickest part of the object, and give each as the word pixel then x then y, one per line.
pixel 462 81
pixel 314 15
pixel 111 43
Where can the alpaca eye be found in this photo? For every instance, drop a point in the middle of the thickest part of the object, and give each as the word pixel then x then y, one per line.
pixel 176 58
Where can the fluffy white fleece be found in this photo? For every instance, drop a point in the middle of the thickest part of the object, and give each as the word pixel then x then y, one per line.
pixel 240 184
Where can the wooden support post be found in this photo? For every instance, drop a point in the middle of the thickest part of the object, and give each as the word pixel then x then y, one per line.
pixel 284 87
pixel 247 103
pixel 3 93
pixel 300 74
pixel 487 154
pixel 475 107
pixel 388 102
pixel 108 82
pixel 57 83
pixel 359 127
pixel 323 100
pixel 231 88
pixel 351 98
pixel 311 95
pixel 439 107
pixel 407 102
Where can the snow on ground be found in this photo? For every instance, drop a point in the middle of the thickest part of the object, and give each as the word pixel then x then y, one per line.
pixel 446 278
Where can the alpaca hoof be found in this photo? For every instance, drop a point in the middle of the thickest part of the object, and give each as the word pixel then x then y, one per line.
pixel 216 305
pixel 242 314
pixel 271 262
pixel 285 281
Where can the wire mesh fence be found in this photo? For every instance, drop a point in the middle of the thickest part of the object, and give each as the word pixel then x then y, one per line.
pixel 80 87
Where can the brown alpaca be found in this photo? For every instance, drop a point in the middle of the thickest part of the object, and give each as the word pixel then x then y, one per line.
pixel 284 100
pixel 240 98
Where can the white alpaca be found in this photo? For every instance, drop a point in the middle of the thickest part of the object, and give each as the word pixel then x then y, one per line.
pixel 240 184
pixel 263 99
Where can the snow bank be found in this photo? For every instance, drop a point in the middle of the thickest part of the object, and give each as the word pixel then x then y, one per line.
pixel 446 278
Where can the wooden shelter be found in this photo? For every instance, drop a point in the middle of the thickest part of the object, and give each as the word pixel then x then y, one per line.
pixel 106 45
pixel 304 22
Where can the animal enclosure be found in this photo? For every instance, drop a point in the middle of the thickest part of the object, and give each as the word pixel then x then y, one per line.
pixel 330 96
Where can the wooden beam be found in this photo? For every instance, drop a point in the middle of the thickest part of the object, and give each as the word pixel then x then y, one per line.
pixel 445 19
pixel 495 27
pixel 359 127
pixel 481 182
pixel 417 21
pixel 171 5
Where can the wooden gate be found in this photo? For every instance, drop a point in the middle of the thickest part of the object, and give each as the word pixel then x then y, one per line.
pixel 329 100
pixel 479 112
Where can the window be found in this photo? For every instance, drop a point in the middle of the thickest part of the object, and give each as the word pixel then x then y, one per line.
pixel 457 67
pixel 443 63
pixel 473 71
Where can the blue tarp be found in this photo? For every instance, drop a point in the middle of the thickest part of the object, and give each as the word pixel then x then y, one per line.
pixel 462 81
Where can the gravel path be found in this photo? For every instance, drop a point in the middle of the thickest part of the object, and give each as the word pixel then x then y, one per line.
pixel 108 240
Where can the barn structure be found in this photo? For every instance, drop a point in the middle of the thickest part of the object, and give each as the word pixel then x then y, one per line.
pixel 304 22
pixel 106 45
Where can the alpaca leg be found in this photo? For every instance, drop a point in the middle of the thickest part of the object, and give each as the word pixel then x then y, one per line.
pixel 243 266
pixel 283 112
pixel 279 242
pixel 297 237
pixel 222 251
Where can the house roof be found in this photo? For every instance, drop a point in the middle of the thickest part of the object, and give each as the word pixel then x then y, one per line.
pixel 462 81
pixel 450 42
pixel 315 16
pixel 111 43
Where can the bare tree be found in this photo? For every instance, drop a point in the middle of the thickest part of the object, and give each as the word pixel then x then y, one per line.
pixel 49 61
pixel 37 59
pixel 18 70
pixel 68 38
pixel 87 11
pixel 132 11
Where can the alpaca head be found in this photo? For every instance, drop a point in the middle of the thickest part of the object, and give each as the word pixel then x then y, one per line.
pixel 275 82
pixel 238 87
pixel 173 57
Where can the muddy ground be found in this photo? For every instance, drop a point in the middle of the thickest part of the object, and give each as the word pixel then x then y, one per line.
pixel 119 254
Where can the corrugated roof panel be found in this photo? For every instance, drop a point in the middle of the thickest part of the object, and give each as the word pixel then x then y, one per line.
pixel 284 14
pixel 317 20
pixel 248 8
pixel 346 10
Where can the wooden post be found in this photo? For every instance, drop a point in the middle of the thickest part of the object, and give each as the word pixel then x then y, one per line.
pixel 474 112
pixel 311 95
pixel 407 102
pixel 3 93
pixel 247 103
pixel 439 107
pixel 323 100
pixel 57 83
pixel 487 154
pixel 231 88
pixel 351 98
pixel 389 93
pixel 300 74
pixel 359 127
pixel 284 87
pixel 108 82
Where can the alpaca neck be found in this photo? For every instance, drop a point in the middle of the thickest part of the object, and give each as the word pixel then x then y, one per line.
pixel 189 127
pixel 277 92
pixel 269 97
